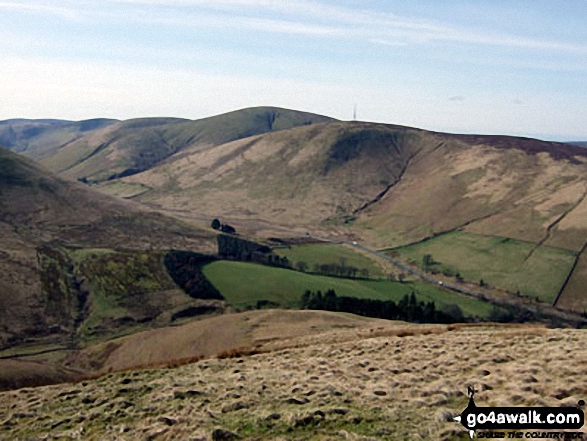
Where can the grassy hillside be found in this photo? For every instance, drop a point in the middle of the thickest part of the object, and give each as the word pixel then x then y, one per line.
pixel 129 147
pixel 210 337
pixel 39 214
pixel 16 374
pixel 573 295
pixel 126 291
pixel 385 186
pixel 171 345
pixel 38 138
pixel 502 262
pixel 303 175
pixel 320 254
pixel 243 284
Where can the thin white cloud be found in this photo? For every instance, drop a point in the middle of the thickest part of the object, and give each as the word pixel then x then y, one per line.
pixel 335 20
pixel 288 27
pixel 301 17
pixel 65 12
pixel 388 42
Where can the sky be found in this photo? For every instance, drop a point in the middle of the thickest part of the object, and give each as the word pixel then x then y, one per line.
pixel 492 66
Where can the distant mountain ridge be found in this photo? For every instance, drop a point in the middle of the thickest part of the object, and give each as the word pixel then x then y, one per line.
pixel 27 136
pixel 579 143
pixel 98 150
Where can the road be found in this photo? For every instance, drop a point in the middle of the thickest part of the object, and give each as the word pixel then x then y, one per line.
pixel 547 311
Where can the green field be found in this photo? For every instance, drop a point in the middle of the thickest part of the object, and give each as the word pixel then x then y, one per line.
pixel 499 261
pixel 243 284
pixel 317 254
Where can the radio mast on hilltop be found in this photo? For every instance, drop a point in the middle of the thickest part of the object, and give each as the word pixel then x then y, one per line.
pixel 354 112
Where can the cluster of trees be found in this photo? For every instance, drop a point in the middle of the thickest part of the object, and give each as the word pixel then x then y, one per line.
pixel 430 266
pixel 408 308
pixel 232 247
pixel 235 248
pixel 340 270
pixel 278 261
pixel 428 262
pixel 184 267
pixel 335 269
pixel 225 228
pixel 504 315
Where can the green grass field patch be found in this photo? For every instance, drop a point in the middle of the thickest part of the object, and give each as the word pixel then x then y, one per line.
pixel 79 255
pixel 123 189
pixel 242 284
pixel 501 262
pixel 318 254
pixel 427 293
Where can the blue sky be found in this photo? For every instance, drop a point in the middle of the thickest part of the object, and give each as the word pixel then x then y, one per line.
pixel 509 67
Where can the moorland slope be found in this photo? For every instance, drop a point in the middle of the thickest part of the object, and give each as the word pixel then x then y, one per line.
pixel 389 186
pixel 269 169
pixel 46 223
pixel 39 137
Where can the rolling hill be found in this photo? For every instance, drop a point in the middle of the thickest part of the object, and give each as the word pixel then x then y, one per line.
pixel 46 223
pixel 387 186
pixel 393 187
pixel 579 143
pixel 124 148
pixel 86 286
pixel 175 345
pixel 39 137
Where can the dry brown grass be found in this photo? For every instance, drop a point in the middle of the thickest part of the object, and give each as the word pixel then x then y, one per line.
pixel 225 334
pixel 20 373
pixel 400 382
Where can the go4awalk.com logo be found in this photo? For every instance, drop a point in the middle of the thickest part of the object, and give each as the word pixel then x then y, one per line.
pixel 544 419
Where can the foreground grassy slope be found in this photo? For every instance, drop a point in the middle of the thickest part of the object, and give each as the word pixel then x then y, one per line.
pixel 16 374
pixel 210 337
pixel 384 382
pixel 243 284
pixel 168 346
pixel 502 262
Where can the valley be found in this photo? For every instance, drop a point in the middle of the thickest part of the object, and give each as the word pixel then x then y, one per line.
pixel 112 272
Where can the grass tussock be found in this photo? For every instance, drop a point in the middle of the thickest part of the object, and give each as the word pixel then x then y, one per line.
pixel 401 383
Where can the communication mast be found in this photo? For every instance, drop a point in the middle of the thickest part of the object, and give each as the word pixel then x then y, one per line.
pixel 355 112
